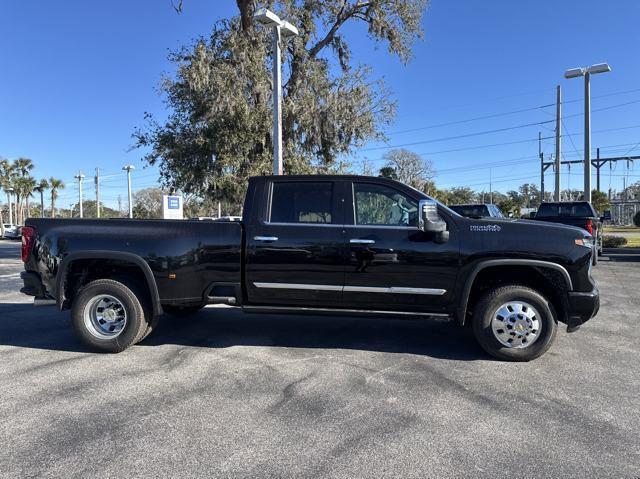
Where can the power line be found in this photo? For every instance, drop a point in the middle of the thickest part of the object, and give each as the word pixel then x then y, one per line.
pixel 457 137
pixel 458 122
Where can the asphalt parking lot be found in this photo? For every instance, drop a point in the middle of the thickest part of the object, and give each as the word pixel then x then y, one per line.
pixel 223 394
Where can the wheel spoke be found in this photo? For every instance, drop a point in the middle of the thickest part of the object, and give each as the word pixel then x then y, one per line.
pixel 105 316
pixel 516 324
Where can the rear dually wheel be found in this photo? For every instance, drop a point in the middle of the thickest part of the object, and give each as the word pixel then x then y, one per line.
pixel 108 316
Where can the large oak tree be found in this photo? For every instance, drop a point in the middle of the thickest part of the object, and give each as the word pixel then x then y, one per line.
pixel 218 131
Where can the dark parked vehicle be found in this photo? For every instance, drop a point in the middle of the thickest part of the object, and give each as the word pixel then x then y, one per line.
pixel 318 244
pixel 478 211
pixel 575 213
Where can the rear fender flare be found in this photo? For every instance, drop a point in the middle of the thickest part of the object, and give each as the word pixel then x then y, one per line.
pixel 105 254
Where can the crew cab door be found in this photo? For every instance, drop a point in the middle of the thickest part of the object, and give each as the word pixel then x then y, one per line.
pixel 295 252
pixel 392 264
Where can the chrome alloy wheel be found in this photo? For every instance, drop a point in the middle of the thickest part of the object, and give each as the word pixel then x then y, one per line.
pixel 105 316
pixel 516 324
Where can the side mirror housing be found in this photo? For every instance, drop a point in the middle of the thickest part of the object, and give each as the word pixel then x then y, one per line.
pixel 606 216
pixel 431 222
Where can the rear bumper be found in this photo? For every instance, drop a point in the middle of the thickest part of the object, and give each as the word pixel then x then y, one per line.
pixel 582 306
pixel 32 284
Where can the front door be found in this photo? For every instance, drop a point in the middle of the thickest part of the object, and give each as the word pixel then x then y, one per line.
pixel 391 264
pixel 296 253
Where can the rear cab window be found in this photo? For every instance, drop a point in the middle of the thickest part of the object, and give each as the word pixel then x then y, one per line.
pixel 556 210
pixel 303 202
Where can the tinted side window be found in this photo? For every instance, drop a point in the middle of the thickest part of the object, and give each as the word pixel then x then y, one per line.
pixel 302 202
pixel 381 205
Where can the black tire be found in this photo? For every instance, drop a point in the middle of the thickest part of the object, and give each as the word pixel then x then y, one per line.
pixel 594 256
pixel 138 316
pixel 179 311
pixel 492 300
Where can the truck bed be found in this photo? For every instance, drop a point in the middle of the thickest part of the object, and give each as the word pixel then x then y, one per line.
pixel 186 258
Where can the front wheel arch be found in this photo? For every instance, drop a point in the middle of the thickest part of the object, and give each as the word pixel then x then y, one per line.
pixel 504 271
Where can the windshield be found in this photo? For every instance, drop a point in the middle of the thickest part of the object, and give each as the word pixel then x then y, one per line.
pixel 471 211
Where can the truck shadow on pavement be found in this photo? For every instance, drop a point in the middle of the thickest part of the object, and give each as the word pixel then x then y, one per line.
pixel 22 325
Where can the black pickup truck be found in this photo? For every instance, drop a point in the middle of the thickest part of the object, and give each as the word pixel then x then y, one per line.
pixel 575 213
pixel 318 244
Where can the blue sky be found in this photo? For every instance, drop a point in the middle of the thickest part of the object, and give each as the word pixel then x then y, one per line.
pixel 78 76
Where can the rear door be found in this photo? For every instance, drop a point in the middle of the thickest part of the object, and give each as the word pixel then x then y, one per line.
pixel 393 265
pixel 296 248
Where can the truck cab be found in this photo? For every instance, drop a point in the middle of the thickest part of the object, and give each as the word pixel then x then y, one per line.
pixel 348 242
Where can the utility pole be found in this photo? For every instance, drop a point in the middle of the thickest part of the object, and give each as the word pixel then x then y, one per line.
pixel 598 165
pixel 541 167
pixel 97 181
pixel 556 196
pixel 490 187
pixel 80 177
pixel 128 169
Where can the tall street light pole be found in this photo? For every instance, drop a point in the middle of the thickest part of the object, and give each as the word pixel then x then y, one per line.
pixel 128 169
pixel 586 72
pixel 80 177
pixel 280 28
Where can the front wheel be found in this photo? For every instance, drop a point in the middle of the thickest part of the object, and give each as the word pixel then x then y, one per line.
pixel 108 316
pixel 514 323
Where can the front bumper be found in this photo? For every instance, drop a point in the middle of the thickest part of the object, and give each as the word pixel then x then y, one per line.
pixel 582 307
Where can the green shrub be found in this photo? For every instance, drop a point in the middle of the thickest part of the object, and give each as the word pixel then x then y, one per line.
pixel 636 219
pixel 613 241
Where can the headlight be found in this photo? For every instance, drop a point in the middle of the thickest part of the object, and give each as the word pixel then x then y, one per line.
pixel 587 242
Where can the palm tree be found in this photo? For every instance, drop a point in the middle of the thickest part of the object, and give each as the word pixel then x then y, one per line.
pixel 23 186
pixel 29 183
pixel 23 166
pixel 5 173
pixel 21 169
pixel 42 185
pixel 55 185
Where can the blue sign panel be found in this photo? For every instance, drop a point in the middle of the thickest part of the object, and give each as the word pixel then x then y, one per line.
pixel 173 202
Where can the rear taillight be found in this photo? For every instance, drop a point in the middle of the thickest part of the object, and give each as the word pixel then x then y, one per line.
pixel 589 226
pixel 28 234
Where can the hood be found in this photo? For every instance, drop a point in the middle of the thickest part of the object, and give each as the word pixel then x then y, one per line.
pixel 524 238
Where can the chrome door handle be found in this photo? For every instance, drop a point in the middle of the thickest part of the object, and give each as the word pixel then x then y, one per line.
pixel 265 238
pixel 362 241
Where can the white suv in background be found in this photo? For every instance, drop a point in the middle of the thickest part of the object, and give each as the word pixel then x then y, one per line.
pixel 11 231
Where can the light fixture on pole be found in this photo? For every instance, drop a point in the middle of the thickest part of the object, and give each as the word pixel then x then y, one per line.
pixel 128 169
pixel 586 72
pixel 80 177
pixel 284 29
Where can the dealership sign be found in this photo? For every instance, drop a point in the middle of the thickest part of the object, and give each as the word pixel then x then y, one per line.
pixel 172 207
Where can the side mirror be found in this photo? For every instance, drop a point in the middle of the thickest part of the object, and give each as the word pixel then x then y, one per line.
pixel 431 222
pixel 606 216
